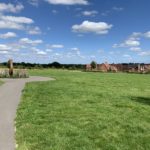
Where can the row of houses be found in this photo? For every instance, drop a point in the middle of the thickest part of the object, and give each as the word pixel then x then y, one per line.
pixel 131 67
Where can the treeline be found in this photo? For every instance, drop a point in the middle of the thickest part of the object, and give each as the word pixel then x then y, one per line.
pixel 56 65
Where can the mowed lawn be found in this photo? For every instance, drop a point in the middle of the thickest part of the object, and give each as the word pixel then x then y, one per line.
pixel 85 111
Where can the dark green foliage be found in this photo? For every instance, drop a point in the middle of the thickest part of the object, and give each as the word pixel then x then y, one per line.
pixel 56 65
pixel 93 64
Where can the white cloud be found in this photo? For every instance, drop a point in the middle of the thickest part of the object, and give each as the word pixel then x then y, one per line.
pixel 92 56
pixel 30 42
pixel 13 22
pixel 126 55
pixel 3 52
pixel 4 47
pixel 38 51
pixel 69 55
pixel 147 34
pixel 18 23
pixel 34 2
pixel 144 53
pixel 10 7
pixel 93 27
pixel 16 46
pixel 136 35
pixel 127 43
pixel 135 49
pixel 33 30
pixel 133 40
pixel 57 54
pixel 49 50
pixel 10 25
pixel 41 53
pixel 8 35
pixel 68 2
pixel 34 49
pixel 23 20
pixel 57 46
pixel 78 53
pixel 131 43
pixel 75 52
pixel 90 13
pixel 116 45
pixel 75 49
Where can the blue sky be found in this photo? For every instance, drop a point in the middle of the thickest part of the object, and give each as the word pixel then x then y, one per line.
pixel 75 31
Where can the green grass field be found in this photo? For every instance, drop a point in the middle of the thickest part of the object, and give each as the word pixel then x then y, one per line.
pixel 85 111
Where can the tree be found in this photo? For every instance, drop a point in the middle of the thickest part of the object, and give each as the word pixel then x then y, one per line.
pixel 93 64
pixel 56 64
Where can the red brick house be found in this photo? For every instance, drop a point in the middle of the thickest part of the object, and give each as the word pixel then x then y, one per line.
pixel 88 67
pixel 104 67
pixel 131 67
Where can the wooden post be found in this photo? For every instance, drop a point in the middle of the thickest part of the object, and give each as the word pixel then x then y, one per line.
pixel 10 66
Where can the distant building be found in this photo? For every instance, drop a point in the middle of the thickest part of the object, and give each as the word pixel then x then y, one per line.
pixel 104 67
pixel 131 67
pixel 88 67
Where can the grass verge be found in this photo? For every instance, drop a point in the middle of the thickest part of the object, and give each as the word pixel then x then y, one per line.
pixel 85 111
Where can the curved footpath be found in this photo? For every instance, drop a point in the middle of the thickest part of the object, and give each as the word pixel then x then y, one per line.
pixel 10 93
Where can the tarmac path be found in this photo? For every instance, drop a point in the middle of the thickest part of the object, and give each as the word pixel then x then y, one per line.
pixel 10 94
